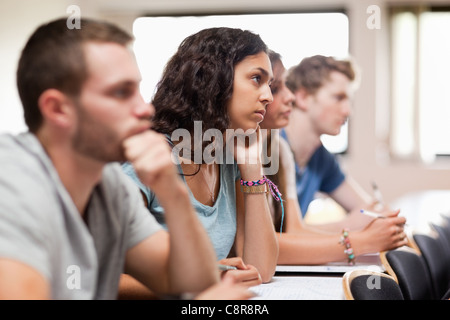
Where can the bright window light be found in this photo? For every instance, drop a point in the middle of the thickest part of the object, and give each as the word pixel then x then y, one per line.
pixel 421 104
pixel 294 36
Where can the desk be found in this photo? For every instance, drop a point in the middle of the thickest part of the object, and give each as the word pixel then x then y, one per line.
pixel 324 282
pixel 318 282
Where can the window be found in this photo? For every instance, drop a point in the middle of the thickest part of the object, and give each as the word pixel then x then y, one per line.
pixel 157 39
pixel 420 71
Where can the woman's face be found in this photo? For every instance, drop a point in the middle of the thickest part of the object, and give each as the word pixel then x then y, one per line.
pixel 251 92
pixel 279 110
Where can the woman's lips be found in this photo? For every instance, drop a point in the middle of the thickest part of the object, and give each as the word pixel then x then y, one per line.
pixel 261 113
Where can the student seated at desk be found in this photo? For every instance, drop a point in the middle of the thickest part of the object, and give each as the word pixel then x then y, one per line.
pixel 219 81
pixel 70 220
pixel 299 243
pixel 323 88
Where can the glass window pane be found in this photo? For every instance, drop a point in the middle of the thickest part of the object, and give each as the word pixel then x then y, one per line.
pixel 313 33
pixel 404 26
pixel 434 103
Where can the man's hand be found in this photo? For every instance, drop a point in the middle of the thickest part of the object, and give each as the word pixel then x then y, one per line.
pixel 150 155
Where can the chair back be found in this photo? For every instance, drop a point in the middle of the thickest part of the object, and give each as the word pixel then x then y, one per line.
pixel 408 268
pixel 442 227
pixel 436 255
pixel 370 285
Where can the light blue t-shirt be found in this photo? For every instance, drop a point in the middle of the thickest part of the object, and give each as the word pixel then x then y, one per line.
pixel 322 173
pixel 218 220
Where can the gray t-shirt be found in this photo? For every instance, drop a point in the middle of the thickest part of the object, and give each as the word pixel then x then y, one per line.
pixel 41 227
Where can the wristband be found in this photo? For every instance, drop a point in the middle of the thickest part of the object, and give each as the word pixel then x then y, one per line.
pixel 260 186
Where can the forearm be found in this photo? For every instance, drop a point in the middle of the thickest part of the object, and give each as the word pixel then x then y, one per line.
pixel 309 248
pixel 260 246
pixel 192 260
pixel 260 243
pixel 132 289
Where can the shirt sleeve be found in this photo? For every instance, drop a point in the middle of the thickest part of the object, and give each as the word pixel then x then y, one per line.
pixel 141 224
pixel 333 175
pixel 26 212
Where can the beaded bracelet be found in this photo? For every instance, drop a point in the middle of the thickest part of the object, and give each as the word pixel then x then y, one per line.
pixel 248 186
pixel 345 241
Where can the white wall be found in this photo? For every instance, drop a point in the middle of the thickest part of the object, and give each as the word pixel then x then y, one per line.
pixel 366 160
pixel 18 19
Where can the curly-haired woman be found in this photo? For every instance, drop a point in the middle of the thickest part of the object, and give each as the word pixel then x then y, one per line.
pixel 219 81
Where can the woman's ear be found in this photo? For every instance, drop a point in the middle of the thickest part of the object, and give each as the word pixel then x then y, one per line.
pixel 301 99
pixel 56 108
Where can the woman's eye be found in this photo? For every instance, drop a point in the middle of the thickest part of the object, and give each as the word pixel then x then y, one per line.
pixel 257 79
pixel 274 89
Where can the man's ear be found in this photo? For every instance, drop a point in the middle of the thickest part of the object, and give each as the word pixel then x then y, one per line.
pixel 301 99
pixel 56 108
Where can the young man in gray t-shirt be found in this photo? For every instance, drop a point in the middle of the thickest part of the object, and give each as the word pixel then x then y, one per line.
pixel 70 221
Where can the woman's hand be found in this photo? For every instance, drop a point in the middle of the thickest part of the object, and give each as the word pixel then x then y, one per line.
pixel 247 151
pixel 226 289
pixel 383 234
pixel 247 275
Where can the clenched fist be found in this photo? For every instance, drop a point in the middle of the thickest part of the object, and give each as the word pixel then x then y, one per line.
pixel 151 157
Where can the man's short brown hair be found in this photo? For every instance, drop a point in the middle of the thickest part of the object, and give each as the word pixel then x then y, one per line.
pixel 53 57
pixel 311 73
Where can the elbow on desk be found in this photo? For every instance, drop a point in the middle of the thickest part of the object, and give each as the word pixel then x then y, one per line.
pixel 265 278
pixel 268 272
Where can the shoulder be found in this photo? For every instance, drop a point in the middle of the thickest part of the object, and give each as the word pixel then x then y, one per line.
pixel 323 156
pixel 122 196
pixel 286 155
pixel 30 193
pixel 285 149
pixel 26 172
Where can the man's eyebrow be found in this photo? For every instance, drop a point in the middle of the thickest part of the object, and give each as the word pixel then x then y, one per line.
pixel 125 82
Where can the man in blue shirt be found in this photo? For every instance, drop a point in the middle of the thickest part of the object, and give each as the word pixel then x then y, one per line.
pixel 323 88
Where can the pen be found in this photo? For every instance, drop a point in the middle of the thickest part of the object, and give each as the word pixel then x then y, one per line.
pixel 223 267
pixel 375 215
pixel 372 214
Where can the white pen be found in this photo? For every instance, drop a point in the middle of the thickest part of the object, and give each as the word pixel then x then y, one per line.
pixel 372 214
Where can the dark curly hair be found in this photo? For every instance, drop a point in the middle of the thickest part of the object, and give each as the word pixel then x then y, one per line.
pixel 197 82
